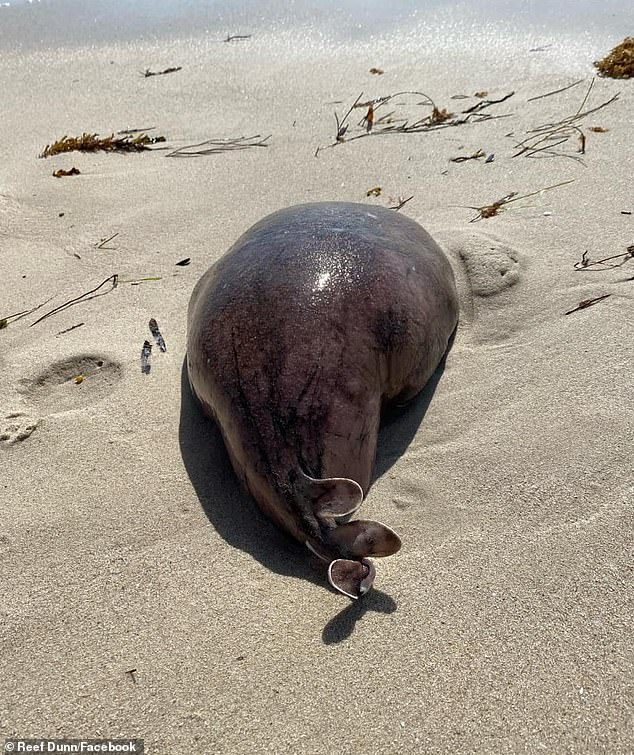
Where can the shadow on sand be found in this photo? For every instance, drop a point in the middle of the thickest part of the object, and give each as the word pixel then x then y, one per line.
pixel 240 523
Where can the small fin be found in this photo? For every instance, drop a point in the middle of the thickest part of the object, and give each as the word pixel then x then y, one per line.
pixel 332 496
pixel 352 578
pixel 362 538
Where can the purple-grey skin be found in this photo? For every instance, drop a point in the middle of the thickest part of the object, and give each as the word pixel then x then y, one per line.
pixel 298 337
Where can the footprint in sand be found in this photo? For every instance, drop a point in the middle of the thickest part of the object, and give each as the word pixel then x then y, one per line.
pixel 491 267
pixel 72 383
pixel 486 268
pixel 16 426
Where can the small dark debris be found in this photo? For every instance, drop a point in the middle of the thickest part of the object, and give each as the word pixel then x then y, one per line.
pixel 184 262
pixel 61 172
pixel 154 329
pixel 72 327
pixel 463 158
pixel 173 69
pixel 146 352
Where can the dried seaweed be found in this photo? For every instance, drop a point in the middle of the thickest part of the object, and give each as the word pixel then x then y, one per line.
pixel 543 139
pixel 95 143
pixel 377 71
pixel 147 73
pixel 619 62
pixel 396 122
pixel 215 146
pixel 237 37
pixel 490 210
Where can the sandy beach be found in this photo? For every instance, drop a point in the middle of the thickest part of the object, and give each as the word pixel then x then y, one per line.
pixel 142 594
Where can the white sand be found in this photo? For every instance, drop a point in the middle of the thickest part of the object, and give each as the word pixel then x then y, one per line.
pixel 505 623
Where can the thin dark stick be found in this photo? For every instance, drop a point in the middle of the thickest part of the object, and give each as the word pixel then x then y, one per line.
pixel 585 99
pixel 485 103
pixel 587 303
pixel 584 263
pixel 556 91
pixel 19 315
pixel 341 123
pixel 101 244
pixel 72 327
pixel 129 131
pixel 401 203
pixel 112 278
pixel 173 69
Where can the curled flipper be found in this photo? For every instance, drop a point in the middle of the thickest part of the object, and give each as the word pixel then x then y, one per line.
pixel 330 497
pixel 362 538
pixel 352 578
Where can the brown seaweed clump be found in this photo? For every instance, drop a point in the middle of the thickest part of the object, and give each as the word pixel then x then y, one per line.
pixel 94 143
pixel 619 62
